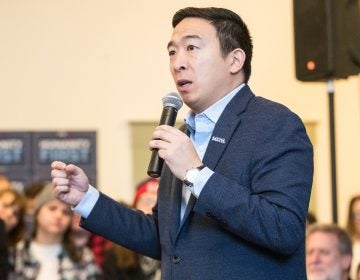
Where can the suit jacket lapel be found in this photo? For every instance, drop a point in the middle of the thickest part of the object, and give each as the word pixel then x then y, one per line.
pixel 189 207
pixel 225 127
pixel 176 196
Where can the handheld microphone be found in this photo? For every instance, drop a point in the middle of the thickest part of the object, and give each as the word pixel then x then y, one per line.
pixel 171 104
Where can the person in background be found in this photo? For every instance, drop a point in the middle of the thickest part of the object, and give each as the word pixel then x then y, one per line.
pixel 79 235
pixel 4 182
pixel 328 253
pixel 50 253
pixel 4 265
pixel 99 246
pixel 235 187
pixel 310 219
pixel 353 228
pixel 30 193
pixel 144 200
pixel 145 196
pixel 12 208
pixel 85 240
pixel 124 264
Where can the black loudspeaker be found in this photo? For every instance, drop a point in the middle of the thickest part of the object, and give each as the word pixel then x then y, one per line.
pixel 327 39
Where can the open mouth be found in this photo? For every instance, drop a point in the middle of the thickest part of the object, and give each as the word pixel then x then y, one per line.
pixel 182 83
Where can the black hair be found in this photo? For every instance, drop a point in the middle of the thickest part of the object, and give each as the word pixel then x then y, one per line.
pixel 231 30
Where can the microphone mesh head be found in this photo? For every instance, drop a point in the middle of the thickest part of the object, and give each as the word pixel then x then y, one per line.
pixel 172 99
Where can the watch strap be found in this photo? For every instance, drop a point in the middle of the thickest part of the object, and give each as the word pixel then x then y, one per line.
pixel 186 181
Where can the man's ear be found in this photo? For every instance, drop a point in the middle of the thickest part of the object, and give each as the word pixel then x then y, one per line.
pixel 237 60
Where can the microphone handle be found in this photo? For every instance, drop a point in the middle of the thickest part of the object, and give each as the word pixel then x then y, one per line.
pixel 155 165
pixel 168 117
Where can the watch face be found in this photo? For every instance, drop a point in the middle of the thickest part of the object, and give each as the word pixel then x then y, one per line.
pixel 191 175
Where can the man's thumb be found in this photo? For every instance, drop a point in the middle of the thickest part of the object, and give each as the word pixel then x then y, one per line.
pixel 73 169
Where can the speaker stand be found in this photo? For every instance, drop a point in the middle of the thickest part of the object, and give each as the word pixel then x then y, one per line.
pixel 330 87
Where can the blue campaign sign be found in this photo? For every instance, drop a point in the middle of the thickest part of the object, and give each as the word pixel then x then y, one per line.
pixel 15 150
pixel 74 147
pixel 15 158
pixel 71 147
pixel 25 157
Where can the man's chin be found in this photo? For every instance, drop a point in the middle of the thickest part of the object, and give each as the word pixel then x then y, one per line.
pixel 316 276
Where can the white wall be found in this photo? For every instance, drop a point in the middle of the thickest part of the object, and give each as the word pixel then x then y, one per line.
pixel 99 64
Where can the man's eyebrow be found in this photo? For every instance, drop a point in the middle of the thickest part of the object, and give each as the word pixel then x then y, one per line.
pixel 187 37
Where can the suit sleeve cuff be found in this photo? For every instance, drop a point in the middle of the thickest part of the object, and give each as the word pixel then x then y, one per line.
pixel 88 202
pixel 201 180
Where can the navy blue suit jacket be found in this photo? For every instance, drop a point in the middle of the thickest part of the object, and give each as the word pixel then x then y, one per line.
pixel 249 220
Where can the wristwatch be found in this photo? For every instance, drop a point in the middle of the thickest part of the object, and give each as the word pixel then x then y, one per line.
pixel 191 175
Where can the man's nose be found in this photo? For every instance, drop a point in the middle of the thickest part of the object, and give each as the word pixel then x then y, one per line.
pixel 315 257
pixel 179 62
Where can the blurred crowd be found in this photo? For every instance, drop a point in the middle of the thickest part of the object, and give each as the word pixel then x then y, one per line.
pixel 40 238
pixel 332 251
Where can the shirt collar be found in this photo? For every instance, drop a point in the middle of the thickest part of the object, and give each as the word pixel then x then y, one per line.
pixel 214 111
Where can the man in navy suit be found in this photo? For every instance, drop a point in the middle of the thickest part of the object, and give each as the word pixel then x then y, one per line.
pixel 234 191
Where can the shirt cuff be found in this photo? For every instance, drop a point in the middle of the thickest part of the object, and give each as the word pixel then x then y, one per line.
pixel 200 181
pixel 88 202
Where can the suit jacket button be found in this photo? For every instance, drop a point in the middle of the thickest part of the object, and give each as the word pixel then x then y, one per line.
pixel 176 259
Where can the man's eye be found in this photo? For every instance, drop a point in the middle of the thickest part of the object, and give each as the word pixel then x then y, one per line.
pixel 191 48
pixel 171 53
